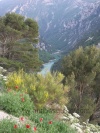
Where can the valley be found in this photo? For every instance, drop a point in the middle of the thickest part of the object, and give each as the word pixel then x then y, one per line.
pixel 44 36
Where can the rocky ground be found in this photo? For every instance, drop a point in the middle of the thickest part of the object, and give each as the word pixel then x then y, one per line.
pixel 74 121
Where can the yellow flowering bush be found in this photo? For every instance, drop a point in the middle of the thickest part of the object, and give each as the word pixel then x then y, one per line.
pixel 42 89
pixel 15 79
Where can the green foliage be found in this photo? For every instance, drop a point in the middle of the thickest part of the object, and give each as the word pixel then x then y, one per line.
pixel 44 121
pixel 10 64
pixel 42 90
pixel 10 126
pixel 27 55
pixel 32 29
pixel 27 28
pixel 81 63
pixel 16 103
pixel 15 21
pixel 54 127
pixel 13 29
pixel 81 68
pixel 56 66
pixel 45 56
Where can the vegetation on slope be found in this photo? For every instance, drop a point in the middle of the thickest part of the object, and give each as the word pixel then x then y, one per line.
pixel 40 91
pixel 45 56
pixel 82 72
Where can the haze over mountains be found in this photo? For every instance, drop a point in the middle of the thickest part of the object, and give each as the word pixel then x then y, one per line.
pixel 62 23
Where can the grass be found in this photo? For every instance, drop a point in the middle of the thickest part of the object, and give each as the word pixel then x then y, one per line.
pixel 41 122
pixel 16 103
pixel 10 126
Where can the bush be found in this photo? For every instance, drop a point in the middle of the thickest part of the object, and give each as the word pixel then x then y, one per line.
pixel 16 103
pixel 42 89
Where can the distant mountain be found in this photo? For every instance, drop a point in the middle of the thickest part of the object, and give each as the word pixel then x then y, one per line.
pixel 62 23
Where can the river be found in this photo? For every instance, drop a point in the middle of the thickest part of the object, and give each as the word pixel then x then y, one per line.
pixel 47 67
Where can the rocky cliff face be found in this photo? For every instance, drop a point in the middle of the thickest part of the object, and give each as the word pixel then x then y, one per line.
pixel 62 23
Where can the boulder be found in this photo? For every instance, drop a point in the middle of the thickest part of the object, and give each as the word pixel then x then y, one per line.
pixel 76 115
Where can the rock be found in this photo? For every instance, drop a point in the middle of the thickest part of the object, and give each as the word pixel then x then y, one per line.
pixel 65 118
pixel 71 118
pixel 68 118
pixel 78 125
pixel 1 75
pixel 87 121
pixel 1 68
pixel 84 123
pixel 92 127
pixel 65 109
pixel 79 130
pixel 87 130
pixel 4 70
pixel 5 78
pixel 76 115
pixel 54 107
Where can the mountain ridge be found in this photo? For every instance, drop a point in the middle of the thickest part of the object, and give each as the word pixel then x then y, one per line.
pixel 61 22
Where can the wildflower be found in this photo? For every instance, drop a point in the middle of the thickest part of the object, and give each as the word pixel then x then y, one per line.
pixel 34 128
pixel 21 118
pixel 41 119
pixel 15 126
pixel 16 87
pixel 27 126
pixel 50 122
pixel 22 99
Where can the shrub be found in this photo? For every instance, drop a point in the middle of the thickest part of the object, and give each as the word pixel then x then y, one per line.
pixel 42 89
pixel 16 103
pixel 15 79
